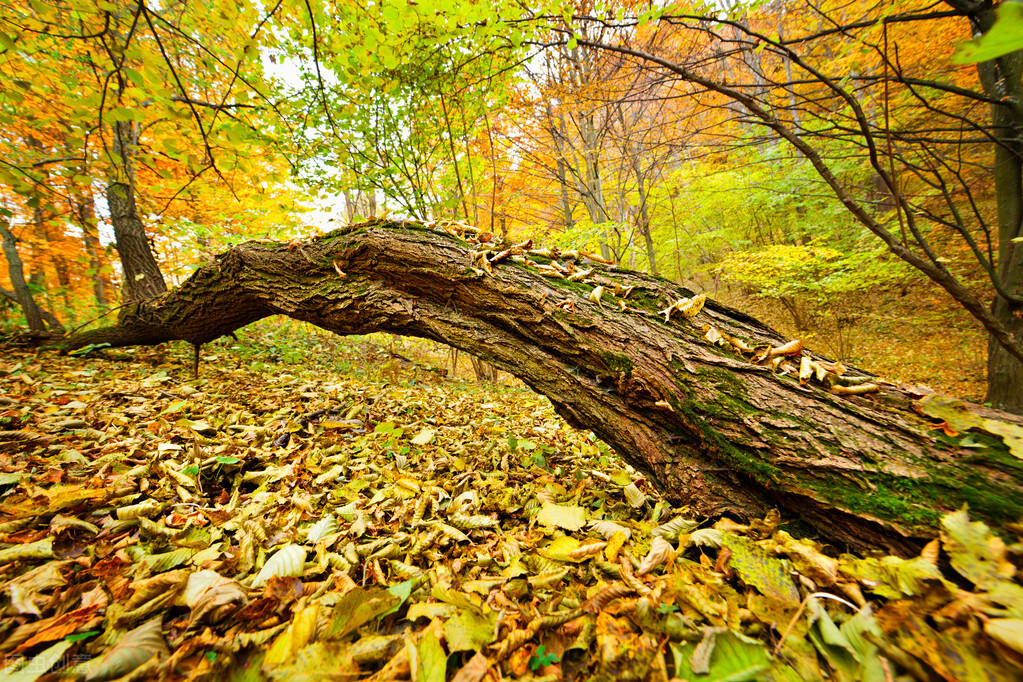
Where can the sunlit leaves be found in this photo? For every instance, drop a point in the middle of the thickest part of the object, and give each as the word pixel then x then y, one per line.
pixel 394 100
pixel 561 516
pixel 188 112
pixel 1004 36
pixel 382 580
pixel 287 561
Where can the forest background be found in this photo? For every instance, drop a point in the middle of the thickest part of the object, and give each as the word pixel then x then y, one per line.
pixel 847 171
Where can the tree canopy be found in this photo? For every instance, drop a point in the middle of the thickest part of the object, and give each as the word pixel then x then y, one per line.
pixel 886 137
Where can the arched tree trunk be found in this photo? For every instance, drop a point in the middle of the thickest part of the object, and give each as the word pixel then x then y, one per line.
pixel 712 429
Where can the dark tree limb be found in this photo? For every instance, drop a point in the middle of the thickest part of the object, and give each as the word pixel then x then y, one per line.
pixel 56 328
pixel 711 429
pixel 22 294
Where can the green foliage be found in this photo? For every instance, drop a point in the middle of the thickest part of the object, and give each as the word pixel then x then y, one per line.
pixel 542 658
pixel 393 103
pixel 184 76
pixel 771 197
pixel 1005 36
pixel 817 275
pixel 585 235
pixel 771 228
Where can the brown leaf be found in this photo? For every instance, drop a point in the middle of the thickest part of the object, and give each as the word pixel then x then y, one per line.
pixel 59 627
pixel 474 670
pixel 152 587
pixel 601 599
pixel 212 597
pixel 284 590
pixel 135 649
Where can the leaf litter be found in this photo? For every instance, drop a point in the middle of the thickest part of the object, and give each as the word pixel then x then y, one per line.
pixel 293 522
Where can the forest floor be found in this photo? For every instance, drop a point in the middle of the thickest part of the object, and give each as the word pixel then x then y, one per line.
pixel 308 509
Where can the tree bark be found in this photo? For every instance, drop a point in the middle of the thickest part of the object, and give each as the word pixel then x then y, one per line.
pixel 84 210
pixel 643 221
pixel 710 428
pixel 56 328
pixel 33 316
pixel 1003 78
pixel 558 136
pixel 54 254
pixel 142 276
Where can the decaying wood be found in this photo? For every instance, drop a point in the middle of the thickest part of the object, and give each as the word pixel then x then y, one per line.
pixel 709 427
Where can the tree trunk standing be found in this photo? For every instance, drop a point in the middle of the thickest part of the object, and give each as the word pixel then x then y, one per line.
pixel 483 370
pixel 359 203
pixel 591 183
pixel 592 131
pixel 44 233
pixel 1003 78
pixel 790 85
pixel 64 281
pixel 49 318
pixel 38 257
pixel 499 199
pixel 142 276
pixel 713 430
pixel 559 137
pixel 16 270
pixel 643 218
pixel 85 209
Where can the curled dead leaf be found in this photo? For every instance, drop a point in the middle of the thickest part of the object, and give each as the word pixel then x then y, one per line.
pixel 805 369
pixel 287 561
pixel 601 599
pixel 661 552
pixel 134 650
pixel 794 347
pixel 855 390
pixel 212 597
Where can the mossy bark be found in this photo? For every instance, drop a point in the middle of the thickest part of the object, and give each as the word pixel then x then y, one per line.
pixel 708 427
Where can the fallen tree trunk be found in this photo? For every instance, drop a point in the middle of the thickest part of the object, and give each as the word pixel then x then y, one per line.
pixel 679 398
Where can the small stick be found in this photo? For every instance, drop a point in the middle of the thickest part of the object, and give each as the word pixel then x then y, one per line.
pixel 195 360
